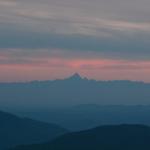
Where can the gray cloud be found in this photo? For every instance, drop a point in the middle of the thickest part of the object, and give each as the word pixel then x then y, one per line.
pixel 112 28
pixel 119 46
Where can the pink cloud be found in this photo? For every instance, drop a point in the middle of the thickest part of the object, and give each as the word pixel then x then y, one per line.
pixel 52 68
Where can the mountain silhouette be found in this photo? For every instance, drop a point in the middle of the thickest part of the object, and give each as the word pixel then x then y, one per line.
pixel 15 131
pixel 74 90
pixel 75 76
pixel 121 137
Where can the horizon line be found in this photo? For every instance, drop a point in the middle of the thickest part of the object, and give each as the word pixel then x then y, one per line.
pixel 71 76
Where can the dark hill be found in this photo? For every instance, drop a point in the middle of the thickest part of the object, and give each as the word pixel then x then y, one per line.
pixel 15 131
pixel 121 137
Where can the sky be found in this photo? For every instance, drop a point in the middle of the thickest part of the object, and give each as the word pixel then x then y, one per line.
pixel 49 39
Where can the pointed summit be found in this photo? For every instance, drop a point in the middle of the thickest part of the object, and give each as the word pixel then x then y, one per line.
pixel 75 76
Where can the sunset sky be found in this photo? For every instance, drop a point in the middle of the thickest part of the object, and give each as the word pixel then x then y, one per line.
pixel 49 39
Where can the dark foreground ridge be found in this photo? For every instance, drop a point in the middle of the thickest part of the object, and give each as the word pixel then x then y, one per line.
pixel 120 137
pixel 17 131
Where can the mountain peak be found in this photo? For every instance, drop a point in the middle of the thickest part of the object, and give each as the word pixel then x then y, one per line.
pixel 76 76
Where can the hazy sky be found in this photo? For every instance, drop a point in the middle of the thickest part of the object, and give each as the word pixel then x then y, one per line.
pixel 48 39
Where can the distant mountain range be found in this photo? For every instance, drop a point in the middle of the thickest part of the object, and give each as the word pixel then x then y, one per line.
pixel 17 131
pixel 88 116
pixel 121 137
pixel 74 90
